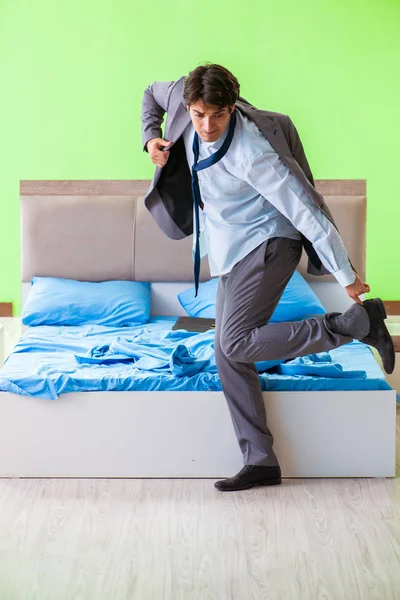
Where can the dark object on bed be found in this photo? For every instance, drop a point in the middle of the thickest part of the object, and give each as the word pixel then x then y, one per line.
pixel 194 324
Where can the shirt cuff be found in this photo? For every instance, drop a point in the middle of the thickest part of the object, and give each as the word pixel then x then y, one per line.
pixel 345 276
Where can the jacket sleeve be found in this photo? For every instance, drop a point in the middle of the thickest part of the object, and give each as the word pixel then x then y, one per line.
pixel 298 153
pixel 154 106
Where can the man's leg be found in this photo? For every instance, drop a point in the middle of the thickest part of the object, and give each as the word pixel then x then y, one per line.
pixel 241 386
pixel 246 299
pixel 253 289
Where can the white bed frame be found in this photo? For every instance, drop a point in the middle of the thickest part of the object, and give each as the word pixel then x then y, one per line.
pixel 190 434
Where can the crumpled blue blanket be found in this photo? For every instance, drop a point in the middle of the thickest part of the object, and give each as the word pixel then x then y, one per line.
pixel 175 358
pixel 160 351
pixel 317 364
pixel 166 352
pixel 52 360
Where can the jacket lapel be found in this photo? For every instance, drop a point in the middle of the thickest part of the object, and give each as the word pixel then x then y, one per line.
pixel 178 117
pixel 177 123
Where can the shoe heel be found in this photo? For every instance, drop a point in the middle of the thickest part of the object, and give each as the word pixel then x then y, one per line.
pixel 381 308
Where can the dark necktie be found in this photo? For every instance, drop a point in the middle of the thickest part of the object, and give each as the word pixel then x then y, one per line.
pixel 199 166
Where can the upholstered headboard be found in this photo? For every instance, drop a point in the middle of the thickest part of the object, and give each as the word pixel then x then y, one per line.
pixel 101 230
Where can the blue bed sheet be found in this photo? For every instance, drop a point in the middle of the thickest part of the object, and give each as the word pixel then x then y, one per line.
pixel 49 361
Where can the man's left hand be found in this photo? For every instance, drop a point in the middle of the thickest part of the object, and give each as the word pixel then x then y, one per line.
pixel 357 288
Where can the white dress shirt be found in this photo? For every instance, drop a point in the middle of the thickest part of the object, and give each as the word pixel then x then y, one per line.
pixel 250 196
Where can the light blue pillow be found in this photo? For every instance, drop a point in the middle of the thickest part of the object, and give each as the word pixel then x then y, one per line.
pixel 56 301
pixel 297 302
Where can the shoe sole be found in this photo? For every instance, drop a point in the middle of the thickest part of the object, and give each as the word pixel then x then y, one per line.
pixel 385 332
pixel 250 485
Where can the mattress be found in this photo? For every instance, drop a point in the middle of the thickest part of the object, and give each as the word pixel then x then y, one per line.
pixel 50 361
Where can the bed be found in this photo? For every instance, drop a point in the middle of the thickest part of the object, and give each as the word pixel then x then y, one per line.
pixel 100 231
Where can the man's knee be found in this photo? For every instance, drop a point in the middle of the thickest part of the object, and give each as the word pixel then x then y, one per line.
pixel 232 348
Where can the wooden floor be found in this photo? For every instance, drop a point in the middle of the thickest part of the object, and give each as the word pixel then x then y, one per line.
pixel 181 539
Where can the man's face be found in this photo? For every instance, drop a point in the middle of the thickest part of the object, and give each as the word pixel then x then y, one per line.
pixel 210 122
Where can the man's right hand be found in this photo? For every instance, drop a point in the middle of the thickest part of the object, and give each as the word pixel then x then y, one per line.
pixel 357 288
pixel 157 155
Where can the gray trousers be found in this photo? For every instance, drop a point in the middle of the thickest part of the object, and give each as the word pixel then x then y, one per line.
pixel 246 298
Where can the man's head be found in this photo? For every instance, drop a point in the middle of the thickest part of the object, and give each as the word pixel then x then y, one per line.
pixel 210 93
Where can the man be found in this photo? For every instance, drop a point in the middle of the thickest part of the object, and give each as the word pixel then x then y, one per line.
pixel 241 176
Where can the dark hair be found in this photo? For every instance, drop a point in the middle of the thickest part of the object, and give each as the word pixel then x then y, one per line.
pixel 213 84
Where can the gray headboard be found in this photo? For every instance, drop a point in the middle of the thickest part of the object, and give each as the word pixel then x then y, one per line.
pixel 101 230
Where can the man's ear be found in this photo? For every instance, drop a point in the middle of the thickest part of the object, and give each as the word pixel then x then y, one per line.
pixel 233 107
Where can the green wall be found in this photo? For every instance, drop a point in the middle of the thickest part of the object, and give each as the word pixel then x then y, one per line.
pixel 73 74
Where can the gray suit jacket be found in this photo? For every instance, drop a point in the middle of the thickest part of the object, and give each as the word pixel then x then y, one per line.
pixel 169 197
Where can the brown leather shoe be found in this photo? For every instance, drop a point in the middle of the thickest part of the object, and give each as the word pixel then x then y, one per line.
pixel 378 336
pixel 250 476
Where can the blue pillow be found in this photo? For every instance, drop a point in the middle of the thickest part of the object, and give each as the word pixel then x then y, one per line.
pixel 297 302
pixel 56 301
